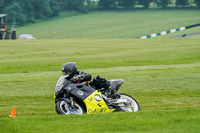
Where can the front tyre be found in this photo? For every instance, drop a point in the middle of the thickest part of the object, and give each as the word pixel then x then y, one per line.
pixel 62 107
pixel 134 107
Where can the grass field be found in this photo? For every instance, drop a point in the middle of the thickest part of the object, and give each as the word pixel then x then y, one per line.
pixel 110 24
pixel 162 74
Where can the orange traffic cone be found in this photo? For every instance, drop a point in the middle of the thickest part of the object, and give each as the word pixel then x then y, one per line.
pixel 13 112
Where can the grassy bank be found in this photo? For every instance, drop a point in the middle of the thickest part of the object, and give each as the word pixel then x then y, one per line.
pixel 111 24
pixel 161 74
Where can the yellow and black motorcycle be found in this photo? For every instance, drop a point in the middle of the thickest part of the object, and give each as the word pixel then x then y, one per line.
pixel 73 98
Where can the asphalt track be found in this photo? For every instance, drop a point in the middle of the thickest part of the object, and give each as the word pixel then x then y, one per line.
pixel 186 35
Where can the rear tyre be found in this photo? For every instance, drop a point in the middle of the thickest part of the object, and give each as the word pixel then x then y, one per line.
pixel 134 104
pixel 62 107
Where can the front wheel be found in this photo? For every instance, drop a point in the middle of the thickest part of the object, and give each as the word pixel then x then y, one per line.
pixel 62 107
pixel 133 107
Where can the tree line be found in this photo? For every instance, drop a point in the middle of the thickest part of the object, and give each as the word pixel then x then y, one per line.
pixel 26 11
pixel 130 4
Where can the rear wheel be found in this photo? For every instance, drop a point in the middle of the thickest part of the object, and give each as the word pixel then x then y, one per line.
pixel 62 107
pixel 133 107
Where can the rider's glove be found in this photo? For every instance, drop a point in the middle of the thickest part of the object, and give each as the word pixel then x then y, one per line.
pixel 81 77
pixel 78 77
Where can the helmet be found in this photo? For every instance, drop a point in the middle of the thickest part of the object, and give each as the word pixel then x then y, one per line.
pixel 69 69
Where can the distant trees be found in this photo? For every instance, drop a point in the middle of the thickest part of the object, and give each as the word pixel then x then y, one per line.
pixel 126 3
pixel 41 8
pixel 107 4
pixel 181 3
pixel 163 3
pixel 54 5
pixel 197 3
pixel 28 10
pixel 23 11
pixel 15 12
pixel 145 3
pixel 77 5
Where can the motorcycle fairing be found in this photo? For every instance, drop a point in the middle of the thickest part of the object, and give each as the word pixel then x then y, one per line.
pixel 81 93
pixel 95 104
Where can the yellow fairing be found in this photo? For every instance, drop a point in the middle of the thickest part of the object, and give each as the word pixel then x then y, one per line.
pixel 93 106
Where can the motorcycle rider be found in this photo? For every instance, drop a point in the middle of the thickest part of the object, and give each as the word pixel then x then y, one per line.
pixel 70 70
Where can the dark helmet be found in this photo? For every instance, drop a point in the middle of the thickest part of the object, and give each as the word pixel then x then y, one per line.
pixel 69 69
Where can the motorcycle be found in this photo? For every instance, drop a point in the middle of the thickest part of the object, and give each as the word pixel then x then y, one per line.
pixel 75 98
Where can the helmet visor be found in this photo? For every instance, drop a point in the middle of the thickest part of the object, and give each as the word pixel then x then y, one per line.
pixel 67 73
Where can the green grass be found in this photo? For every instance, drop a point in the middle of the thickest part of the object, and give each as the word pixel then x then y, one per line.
pixel 161 73
pixel 172 121
pixel 110 24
